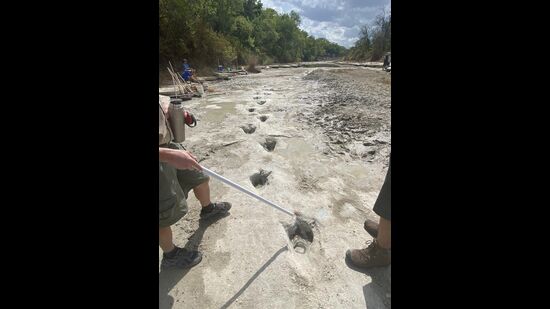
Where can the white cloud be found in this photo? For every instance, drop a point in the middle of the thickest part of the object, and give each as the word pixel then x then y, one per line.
pixel 281 6
pixel 338 21
pixel 330 31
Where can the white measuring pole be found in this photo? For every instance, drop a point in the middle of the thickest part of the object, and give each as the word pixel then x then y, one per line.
pixel 238 187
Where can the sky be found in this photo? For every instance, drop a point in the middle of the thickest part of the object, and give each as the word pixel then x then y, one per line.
pixel 338 21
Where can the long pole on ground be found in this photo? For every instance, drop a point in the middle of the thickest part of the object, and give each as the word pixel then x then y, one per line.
pixel 250 193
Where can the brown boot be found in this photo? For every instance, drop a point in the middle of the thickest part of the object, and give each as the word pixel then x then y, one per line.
pixel 372 256
pixel 371 227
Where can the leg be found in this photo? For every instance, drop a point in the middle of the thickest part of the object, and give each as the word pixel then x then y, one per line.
pixel 209 209
pixel 172 207
pixel 371 226
pixel 202 193
pixel 174 256
pixel 199 183
pixel 165 239
pixel 377 253
pixel 384 233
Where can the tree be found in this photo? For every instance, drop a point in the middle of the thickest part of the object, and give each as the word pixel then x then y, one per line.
pixel 208 31
pixel 374 41
pixel 252 9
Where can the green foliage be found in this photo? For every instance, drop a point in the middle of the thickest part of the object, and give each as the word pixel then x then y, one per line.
pixel 229 32
pixel 374 42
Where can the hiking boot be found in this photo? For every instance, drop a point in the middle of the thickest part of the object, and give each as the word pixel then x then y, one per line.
pixel 371 227
pixel 218 208
pixel 372 256
pixel 181 258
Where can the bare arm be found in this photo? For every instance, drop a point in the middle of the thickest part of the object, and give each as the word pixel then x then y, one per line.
pixel 164 104
pixel 179 159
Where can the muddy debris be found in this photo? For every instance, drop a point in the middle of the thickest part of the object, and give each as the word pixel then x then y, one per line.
pixel 263 118
pixel 251 109
pixel 359 114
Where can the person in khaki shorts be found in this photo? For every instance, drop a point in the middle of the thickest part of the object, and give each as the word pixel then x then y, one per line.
pixel 180 173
